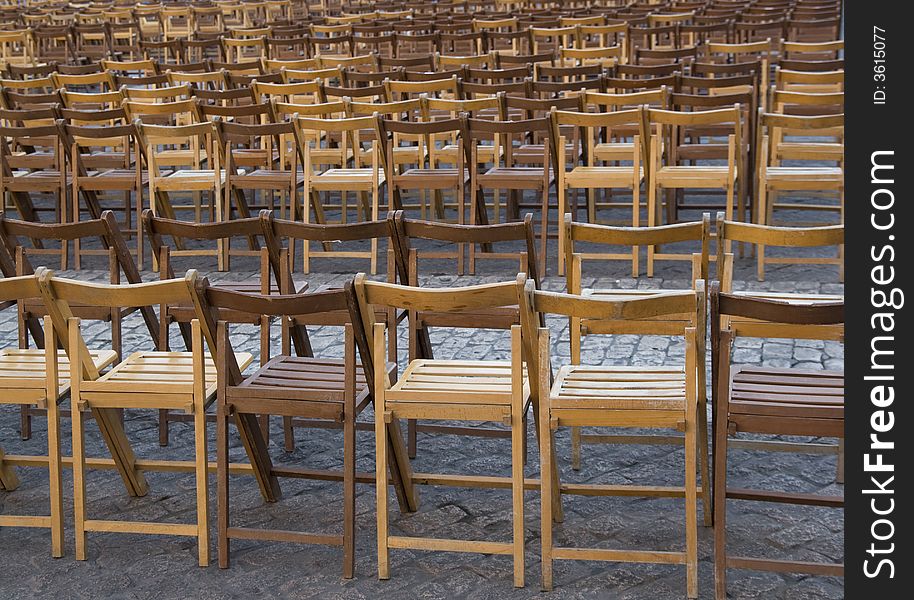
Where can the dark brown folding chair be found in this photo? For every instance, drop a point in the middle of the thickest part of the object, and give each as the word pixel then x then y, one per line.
pixel 328 390
pixel 772 401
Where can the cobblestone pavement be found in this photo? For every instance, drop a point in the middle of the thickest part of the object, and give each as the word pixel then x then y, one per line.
pixel 130 566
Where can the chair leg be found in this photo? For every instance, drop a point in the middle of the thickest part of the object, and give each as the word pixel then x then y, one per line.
pixel 652 212
pixel 720 509
pixel 703 464
pixel 54 477
pixel 79 481
pixel 562 210
pixel 163 427
pixel 517 493
pixel 763 220
pixel 222 486
pixel 576 443
pixel 544 231
pixel 288 434
pixel 381 493
pixel 202 476
pixel 349 495
pixel 839 472
pixel 25 423
pixel 691 508
pixel 411 435
pixel 547 466
pixel 636 222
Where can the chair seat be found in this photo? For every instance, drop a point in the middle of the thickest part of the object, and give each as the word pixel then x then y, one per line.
pixel 346 179
pixel 455 382
pixel 300 379
pixel 448 153
pixel 804 175
pixel 431 178
pixel 613 151
pixel 602 177
pixel 112 179
pixel 175 157
pixel 534 152
pixel 787 393
pixel 793 298
pixel 693 176
pixel 25 369
pixel 156 373
pixel 619 388
pixel 189 179
pixel 513 178
pixel 266 177
pixel 23 181
pixel 810 151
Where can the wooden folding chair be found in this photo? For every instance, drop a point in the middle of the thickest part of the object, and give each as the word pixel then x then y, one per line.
pixel 667 172
pixel 635 238
pixel 624 396
pixel 14 260
pixel 822 139
pixel 97 166
pixel 176 380
pixel 32 378
pixel 403 233
pixel 589 132
pixel 252 154
pixel 191 145
pixel 505 174
pixel 435 178
pixel 315 139
pixel 447 390
pixel 763 400
pixel 280 237
pixel 32 161
pixel 182 234
pixel 331 391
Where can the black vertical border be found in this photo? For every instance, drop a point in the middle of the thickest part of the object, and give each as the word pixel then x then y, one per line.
pixel 870 128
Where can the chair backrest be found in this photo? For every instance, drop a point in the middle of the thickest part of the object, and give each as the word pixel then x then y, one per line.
pixel 768 235
pixel 274 230
pixel 158 228
pixel 405 230
pixel 292 306
pixel 672 313
pixel 59 294
pixel 696 231
pixel 742 315
pixel 439 300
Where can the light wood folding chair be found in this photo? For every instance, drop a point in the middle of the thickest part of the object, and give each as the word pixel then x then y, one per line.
pixel 583 233
pixel 32 162
pixel 762 400
pixel 144 380
pixel 315 137
pixel 505 174
pixel 404 232
pixel 822 139
pixel 447 390
pixel 194 144
pixel 40 379
pixel 594 135
pixel 618 396
pixel 437 177
pixel 670 129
